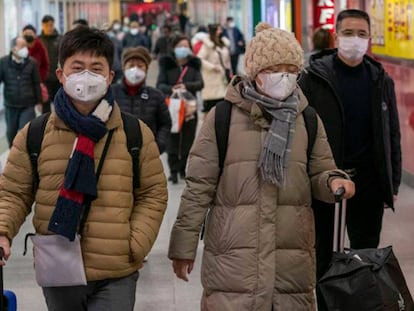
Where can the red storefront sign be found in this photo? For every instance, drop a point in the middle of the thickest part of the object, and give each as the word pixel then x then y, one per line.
pixel 324 14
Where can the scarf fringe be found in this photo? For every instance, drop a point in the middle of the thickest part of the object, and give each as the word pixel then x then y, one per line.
pixel 272 167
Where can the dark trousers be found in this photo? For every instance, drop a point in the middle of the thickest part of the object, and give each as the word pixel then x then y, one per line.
pixel 363 220
pixel 105 295
pixel 179 146
pixel 234 59
pixel 16 119
pixel 52 87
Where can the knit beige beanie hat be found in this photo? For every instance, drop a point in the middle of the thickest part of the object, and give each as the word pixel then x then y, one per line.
pixel 271 46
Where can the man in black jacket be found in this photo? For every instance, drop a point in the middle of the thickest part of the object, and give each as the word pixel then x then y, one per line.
pixel 355 98
pixel 51 39
pixel 237 43
pixel 21 79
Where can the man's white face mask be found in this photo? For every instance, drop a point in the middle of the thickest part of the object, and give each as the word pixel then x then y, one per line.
pixel 352 48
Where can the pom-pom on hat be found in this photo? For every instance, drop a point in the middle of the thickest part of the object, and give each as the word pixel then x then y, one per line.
pixel 271 46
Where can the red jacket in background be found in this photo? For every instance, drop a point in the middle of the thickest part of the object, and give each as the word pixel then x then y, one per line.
pixel 39 53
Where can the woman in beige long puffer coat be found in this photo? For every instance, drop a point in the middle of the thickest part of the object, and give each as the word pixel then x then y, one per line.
pixel 259 242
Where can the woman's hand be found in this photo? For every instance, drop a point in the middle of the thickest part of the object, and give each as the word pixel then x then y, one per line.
pixel 182 267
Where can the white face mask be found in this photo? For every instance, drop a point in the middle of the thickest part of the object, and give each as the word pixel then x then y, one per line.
pixel 278 85
pixel 85 87
pixel 134 75
pixel 116 27
pixel 232 24
pixel 23 52
pixel 352 48
pixel 133 31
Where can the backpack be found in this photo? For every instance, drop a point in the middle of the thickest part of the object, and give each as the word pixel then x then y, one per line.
pixel 222 126
pixel 37 128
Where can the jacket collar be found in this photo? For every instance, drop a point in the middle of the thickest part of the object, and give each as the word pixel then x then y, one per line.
pixel 113 122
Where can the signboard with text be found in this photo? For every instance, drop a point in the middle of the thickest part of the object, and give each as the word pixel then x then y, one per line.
pixel 393 28
pixel 324 14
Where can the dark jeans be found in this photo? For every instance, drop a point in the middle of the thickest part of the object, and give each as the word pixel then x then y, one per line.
pixel 363 220
pixel 16 119
pixel 234 59
pixel 105 295
pixel 52 87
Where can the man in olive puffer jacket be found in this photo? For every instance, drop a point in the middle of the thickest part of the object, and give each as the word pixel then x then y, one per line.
pixel 124 219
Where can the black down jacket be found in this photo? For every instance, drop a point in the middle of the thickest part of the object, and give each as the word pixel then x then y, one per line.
pixel 21 82
pixel 318 86
pixel 149 106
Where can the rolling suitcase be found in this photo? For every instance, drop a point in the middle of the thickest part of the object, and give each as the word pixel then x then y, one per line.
pixel 365 279
pixel 8 300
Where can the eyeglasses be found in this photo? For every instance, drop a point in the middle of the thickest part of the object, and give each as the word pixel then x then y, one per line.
pixel 352 33
pixel 282 68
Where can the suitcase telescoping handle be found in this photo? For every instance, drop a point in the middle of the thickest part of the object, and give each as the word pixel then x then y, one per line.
pixel 340 220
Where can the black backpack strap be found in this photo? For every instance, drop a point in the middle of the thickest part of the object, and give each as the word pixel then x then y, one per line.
pixel 34 140
pixel 311 124
pixel 134 142
pixel 222 127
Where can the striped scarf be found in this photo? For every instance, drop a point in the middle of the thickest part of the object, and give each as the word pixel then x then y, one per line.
pixel 80 184
pixel 275 153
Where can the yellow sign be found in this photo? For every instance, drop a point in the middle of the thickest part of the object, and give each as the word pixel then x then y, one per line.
pixel 393 28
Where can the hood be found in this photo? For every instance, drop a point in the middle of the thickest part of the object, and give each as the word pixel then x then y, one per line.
pixel 234 95
pixel 199 36
pixel 321 63
pixel 170 62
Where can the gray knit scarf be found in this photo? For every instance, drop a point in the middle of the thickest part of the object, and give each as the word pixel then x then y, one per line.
pixel 276 148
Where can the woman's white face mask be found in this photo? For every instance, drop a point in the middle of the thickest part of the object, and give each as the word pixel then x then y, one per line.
pixel 278 85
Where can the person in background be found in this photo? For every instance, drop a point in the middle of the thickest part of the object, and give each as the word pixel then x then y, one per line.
pixel 163 44
pixel 215 57
pixel 37 50
pixel 259 235
pixel 355 99
pixel 20 75
pixel 321 39
pixel 237 43
pixel 134 38
pixel 123 221
pixel 50 39
pixel 180 71
pixel 144 102
pixel 113 34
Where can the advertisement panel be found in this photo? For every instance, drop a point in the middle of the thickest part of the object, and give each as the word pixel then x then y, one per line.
pixel 393 28
pixel 324 14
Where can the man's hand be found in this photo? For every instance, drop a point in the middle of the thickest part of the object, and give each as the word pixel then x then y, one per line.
pixel 182 267
pixel 5 244
pixel 348 185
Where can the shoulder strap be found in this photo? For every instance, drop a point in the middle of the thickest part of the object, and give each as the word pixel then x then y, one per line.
pixel 134 142
pixel 311 124
pixel 34 140
pixel 222 126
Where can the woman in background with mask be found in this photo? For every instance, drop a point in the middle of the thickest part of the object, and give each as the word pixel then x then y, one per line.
pixel 144 102
pixel 180 71
pixel 259 237
pixel 215 56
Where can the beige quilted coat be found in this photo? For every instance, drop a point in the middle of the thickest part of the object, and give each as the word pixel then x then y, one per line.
pixel 259 241
pixel 122 223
